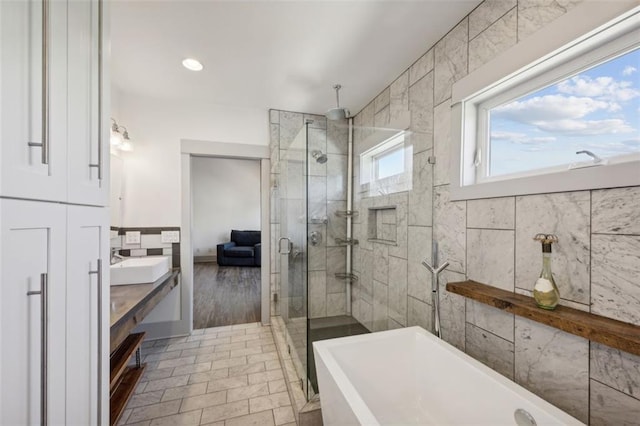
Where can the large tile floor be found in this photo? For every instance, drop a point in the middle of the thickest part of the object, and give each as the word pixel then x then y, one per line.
pixel 219 376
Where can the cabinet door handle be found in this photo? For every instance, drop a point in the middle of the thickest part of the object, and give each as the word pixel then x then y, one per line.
pixel 45 85
pixel 44 331
pixel 98 272
pixel 98 165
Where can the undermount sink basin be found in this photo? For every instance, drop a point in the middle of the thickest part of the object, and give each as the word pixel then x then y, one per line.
pixel 139 270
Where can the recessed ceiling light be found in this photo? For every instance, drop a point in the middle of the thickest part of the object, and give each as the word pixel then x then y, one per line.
pixel 192 64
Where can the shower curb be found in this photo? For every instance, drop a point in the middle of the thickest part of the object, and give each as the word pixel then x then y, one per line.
pixel 305 413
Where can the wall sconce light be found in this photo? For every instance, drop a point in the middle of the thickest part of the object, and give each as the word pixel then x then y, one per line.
pixel 120 137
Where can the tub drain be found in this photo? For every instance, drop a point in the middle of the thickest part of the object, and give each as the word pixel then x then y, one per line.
pixel 523 418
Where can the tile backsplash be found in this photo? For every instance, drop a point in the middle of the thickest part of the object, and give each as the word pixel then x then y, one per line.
pixel 150 243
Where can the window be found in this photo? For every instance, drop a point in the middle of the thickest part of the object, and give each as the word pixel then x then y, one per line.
pixel 595 110
pixel 567 121
pixel 389 163
pixel 386 167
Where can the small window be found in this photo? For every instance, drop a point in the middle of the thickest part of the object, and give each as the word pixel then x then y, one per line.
pixel 570 120
pixel 386 168
pixel 390 162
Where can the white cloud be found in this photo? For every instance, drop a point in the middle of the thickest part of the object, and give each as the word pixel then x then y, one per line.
pixel 535 149
pixel 521 138
pixel 585 127
pixel 628 70
pixel 561 114
pixel 614 107
pixel 601 88
pixel 550 107
pixel 628 146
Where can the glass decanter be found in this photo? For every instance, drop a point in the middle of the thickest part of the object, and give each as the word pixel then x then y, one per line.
pixel 545 290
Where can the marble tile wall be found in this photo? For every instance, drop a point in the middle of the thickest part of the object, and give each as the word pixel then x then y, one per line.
pixel 596 262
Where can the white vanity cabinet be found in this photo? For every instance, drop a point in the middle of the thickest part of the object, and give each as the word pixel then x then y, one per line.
pixel 32 295
pixel 63 250
pixel 88 120
pixel 54 122
pixel 33 99
pixel 87 311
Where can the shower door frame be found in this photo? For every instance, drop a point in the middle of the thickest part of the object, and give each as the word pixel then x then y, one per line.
pixel 300 360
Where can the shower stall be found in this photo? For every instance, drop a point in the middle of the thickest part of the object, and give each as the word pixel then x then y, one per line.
pixel 323 277
pixel 314 243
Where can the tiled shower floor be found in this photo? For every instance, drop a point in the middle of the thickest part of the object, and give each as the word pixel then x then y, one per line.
pixel 329 328
pixel 223 376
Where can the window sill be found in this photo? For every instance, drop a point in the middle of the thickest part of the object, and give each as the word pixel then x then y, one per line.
pixel 610 176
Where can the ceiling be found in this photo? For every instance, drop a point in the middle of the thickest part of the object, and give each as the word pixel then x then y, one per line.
pixel 273 54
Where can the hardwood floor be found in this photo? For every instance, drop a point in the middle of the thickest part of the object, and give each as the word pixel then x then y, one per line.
pixel 225 295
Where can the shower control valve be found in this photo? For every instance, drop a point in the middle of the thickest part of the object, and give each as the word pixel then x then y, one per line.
pixel 315 238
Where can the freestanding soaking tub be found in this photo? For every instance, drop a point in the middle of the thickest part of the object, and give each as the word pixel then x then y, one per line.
pixel 410 377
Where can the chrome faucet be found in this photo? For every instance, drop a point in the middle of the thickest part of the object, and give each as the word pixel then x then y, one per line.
pixel 435 287
pixel 116 257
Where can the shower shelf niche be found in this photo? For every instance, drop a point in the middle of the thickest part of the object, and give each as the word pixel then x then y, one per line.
pixel 610 332
pixel 382 227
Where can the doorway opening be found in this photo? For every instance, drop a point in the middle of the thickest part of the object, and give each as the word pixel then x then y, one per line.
pixel 226 241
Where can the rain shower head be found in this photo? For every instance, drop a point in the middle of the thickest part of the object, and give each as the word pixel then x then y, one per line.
pixel 319 156
pixel 337 113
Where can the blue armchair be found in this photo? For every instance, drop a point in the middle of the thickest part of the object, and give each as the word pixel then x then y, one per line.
pixel 244 249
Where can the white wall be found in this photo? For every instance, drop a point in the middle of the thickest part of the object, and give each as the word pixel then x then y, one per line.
pixel 226 196
pixel 156 126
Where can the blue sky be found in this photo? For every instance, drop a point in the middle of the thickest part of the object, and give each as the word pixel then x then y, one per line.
pixel 597 110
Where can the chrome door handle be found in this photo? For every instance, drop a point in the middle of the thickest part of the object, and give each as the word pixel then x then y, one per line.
pixel 98 272
pixel 98 165
pixel 45 85
pixel 289 245
pixel 44 314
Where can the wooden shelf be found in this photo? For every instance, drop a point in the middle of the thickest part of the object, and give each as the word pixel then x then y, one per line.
pixel 124 379
pixel 133 303
pixel 610 332
pixel 123 392
pixel 120 357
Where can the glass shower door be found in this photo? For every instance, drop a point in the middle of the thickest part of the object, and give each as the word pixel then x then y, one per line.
pixel 293 250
